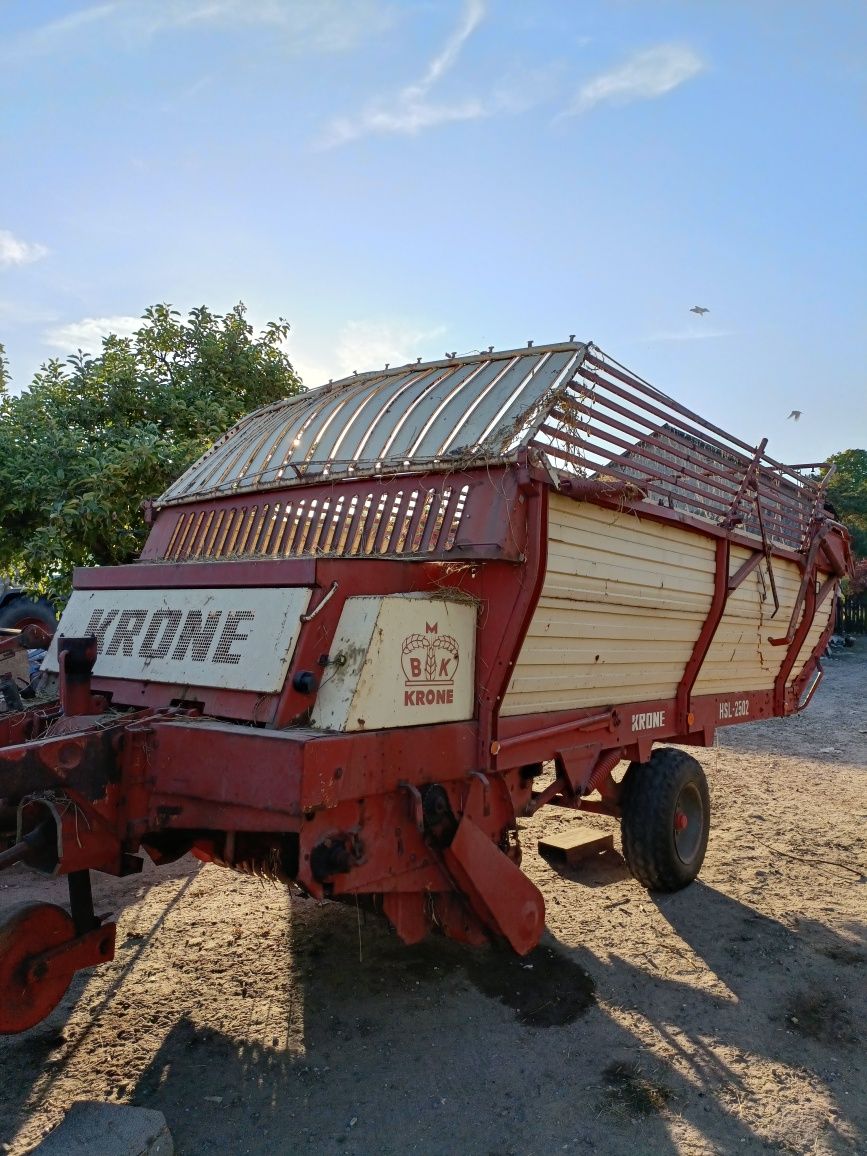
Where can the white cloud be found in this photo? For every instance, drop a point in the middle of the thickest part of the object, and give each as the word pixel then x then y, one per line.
pixel 407 117
pixel 312 372
pixel 410 111
pixel 303 25
pixel 16 252
pixel 644 76
pixel 57 30
pixel 474 13
pixel 360 345
pixel 88 333
pixel 365 345
pixel 306 25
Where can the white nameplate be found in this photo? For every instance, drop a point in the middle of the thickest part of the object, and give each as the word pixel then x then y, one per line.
pixel 235 639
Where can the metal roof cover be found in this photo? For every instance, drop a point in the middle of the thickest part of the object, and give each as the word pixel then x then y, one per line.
pixel 463 410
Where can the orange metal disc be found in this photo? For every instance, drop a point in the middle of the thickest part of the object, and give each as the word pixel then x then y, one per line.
pixel 26 931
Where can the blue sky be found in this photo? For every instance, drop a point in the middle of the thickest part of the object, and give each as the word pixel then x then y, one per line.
pixel 398 179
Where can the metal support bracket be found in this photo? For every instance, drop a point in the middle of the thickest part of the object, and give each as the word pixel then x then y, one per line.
pixel 416 803
pixel 87 950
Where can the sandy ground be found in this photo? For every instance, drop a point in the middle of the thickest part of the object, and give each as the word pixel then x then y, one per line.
pixel 727 1018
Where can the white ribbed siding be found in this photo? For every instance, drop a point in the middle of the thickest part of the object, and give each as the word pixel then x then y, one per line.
pixel 622 605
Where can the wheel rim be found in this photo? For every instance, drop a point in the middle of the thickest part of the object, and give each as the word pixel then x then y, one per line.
pixel 688 823
pixel 28 931
pixel 29 620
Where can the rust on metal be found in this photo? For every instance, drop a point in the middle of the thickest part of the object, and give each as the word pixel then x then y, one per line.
pixel 396 530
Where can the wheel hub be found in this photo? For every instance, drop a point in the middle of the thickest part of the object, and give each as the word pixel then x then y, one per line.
pixel 688 823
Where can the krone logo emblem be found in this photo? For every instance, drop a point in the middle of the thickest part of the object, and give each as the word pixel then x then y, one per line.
pixel 430 662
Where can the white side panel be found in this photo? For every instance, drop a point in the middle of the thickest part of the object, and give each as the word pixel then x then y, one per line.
pixel 821 622
pixel 622 605
pixel 623 601
pixel 349 652
pixel 408 660
pixel 238 639
pixel 740 656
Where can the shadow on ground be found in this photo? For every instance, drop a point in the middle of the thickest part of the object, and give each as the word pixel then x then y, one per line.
pixel 367 1046
pixel 47 1050
pixel 442 1049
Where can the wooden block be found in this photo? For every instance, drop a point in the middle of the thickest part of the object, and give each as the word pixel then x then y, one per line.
pixel 575 845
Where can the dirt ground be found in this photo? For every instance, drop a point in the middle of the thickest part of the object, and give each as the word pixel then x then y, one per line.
pixel 728 1018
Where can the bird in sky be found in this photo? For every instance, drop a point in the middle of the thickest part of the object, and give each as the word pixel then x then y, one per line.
pixel 700 310
pixel 796 414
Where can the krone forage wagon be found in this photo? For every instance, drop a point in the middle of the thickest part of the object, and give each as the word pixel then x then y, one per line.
pixel 367 617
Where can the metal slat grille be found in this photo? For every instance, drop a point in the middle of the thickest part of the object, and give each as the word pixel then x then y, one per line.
pixel 451 413
pixel 607 424
pixel 587 414
pixel 418 521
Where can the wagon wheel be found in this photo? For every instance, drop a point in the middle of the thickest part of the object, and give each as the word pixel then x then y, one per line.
pixel 27 931
pixel 665 819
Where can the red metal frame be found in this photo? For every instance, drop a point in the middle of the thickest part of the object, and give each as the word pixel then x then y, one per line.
pixel 483 529
pixel 616 499
pixel 421 819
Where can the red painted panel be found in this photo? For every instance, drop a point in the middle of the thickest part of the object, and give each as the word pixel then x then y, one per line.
pixel 195 575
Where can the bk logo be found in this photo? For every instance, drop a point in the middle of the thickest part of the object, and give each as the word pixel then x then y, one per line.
pixel 429 662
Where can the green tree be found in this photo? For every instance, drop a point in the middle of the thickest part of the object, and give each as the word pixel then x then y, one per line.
pixel 847 491
pixel 4 370
pixel 93 437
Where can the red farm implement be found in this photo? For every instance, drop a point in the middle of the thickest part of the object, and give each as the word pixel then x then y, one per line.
pixel 367 617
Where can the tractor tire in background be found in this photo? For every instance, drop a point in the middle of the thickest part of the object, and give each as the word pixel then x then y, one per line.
pixel 22 611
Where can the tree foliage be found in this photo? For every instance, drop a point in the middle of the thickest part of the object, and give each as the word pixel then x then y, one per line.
pixel 93 437
pixel 847 492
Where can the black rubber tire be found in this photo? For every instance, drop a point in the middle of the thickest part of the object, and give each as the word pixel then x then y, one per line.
pixel 671 782
pixel 22 611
